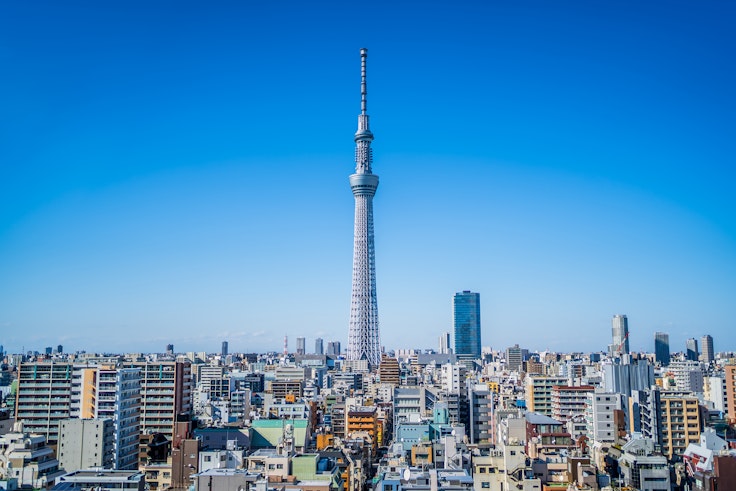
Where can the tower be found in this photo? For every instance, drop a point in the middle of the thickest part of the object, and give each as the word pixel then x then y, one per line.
pixel 363 337
pixel 620 335
pixel 466 317
pixel 691 349
pixel 223 352
pixel 662 348
pixel 706 343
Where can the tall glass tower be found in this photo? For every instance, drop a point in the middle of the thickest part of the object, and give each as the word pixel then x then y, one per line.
pixel 662 348
pixel 364 342
pixel 466 317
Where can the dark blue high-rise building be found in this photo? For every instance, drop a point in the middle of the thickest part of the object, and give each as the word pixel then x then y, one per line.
pixel 466 317
pixel 662 348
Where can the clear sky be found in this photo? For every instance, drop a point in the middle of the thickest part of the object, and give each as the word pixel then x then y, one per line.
pixel 177 172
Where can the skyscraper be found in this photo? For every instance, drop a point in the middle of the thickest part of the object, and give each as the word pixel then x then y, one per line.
pixel 620 335
pixel 363 338
pixel 445 343
pixel 706 343
pixel 466 318
pixel 319 347
pixel 301 346
pixel 224 348
pixel 691 346
pixel 662 348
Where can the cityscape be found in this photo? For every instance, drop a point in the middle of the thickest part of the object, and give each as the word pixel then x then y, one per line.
pixel 176 326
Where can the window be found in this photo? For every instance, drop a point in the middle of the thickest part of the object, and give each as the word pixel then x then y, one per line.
pixel 485 485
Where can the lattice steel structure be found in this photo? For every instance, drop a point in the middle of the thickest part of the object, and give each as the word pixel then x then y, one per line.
pixel 363 339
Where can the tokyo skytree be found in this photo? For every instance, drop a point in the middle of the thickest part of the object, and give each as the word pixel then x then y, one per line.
pixel 364 342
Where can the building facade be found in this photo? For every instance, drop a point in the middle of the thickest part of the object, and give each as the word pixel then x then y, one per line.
pixel 620 335
pixel 706 344
pixel 466 320
pixel 662 348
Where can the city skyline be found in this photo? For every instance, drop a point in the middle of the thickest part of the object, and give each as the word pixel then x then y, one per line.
pixel 176 174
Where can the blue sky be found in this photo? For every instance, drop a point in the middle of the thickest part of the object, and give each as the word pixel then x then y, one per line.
pixel 177 172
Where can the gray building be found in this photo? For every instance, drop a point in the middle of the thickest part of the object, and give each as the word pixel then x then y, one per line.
pixel 691 350
pixel 102 481
pixel 86 443
pixel 514 358
pixel 620 335
pixel 706 343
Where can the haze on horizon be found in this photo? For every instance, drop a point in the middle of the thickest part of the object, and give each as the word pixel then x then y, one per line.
pixel 178 173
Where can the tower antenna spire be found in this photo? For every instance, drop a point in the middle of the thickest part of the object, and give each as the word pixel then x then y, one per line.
pixel 363 84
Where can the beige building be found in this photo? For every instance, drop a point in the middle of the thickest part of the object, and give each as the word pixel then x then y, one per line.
pixel 679 422
pixel 539 393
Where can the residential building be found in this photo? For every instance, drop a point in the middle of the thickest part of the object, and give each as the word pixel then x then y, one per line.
pixel 539 392
pixel 642 468
pixel 600 416
pixel 166 394
pixel 480 411
pixel 29 460
pixel 44 397
pixel 679 423
pixel 117 397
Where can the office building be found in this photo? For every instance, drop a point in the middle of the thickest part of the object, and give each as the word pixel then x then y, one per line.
pixel 444 344
pixel 334 348
pixel 626 378
pixel 301 346
pixel 706 343
pixel 319 347
pixel 364 341
pixel 224 351
pixel 466 320
pixel 620 335
pixel 662 348
pixel 691 350
pixel 514 358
